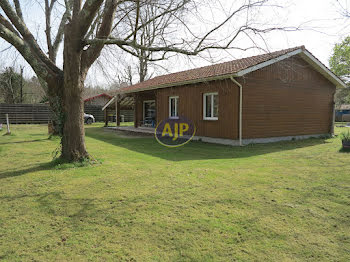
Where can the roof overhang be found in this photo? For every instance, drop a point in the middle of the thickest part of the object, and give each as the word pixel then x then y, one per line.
pixel 308 57
pixel 268 62
pixel 322 69
pixel 126 101
pixel 303 53
pixel 200 80
pixel 100 95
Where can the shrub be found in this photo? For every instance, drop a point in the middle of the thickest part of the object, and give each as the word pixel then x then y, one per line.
pixel 345 136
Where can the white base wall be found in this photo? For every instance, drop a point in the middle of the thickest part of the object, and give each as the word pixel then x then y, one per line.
pixel 232 142
pixel 223 141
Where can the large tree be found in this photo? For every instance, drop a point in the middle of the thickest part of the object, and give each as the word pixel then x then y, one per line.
pixel 86 27
pixel 340 64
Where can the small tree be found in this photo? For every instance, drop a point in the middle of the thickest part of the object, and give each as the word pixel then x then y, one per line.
pixel 11 86
pixel 340 65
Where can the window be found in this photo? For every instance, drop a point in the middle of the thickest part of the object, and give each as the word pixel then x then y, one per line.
pixel 173 106
pixel 210 106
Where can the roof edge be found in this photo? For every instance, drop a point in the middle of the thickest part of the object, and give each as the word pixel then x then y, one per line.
pixel 308 57
pixel 269 62
pixel 199 80
pixel 96 96
pixel 322 69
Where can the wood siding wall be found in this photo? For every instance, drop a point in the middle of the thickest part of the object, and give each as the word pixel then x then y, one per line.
pixel 286 99
pixel 191 107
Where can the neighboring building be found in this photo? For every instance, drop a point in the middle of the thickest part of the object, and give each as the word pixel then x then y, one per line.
pixel 97 100
pixel 342 113
pixel 94 104
pixel 270 97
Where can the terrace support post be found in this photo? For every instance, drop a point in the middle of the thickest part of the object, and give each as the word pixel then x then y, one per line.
pixel 135 111
pixel 106 116
pixel 117 110
pixel 118 113
pixel 333 115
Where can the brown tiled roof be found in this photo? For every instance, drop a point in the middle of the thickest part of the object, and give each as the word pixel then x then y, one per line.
pixel 226 68
pixel 96 96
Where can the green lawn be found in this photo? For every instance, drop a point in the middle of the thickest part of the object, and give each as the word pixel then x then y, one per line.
pixel 285 201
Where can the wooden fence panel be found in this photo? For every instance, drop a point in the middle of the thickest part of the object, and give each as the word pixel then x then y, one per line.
pixel 127 113
pixel 38 113
pixel 96 111
pixel 25 113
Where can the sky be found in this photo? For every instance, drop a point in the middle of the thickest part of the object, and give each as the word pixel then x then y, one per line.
pixel 321 23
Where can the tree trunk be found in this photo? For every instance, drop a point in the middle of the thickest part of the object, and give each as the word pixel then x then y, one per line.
pixel 73 139
pixel 55 97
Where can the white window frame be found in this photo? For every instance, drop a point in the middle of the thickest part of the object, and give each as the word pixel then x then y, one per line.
pixel 212 106
pixel 144 107
pixel 176 107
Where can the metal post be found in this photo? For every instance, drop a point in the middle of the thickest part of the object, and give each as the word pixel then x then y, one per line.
pixel 8 124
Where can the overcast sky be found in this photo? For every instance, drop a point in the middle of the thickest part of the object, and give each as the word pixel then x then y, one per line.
pixel 321 21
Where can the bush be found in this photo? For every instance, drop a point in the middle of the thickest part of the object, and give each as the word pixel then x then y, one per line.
pixel 345 136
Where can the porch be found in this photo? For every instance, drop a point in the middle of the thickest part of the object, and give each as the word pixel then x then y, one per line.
pixel 143 105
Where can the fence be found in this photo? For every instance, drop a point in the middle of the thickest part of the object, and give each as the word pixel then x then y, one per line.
pixel 345 118
pixel 38 113
pixel 126 114
pixel 25 113
pixel 96 111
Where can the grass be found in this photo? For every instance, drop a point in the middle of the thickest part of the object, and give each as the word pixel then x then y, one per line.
pixel 285 201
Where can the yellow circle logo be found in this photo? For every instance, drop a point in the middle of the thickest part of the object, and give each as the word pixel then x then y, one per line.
pixel 175 132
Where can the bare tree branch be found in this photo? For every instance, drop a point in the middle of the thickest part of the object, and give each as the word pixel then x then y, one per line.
pixel 11 37
pixel 27 36
pixel 60 31
pixel 344 8
pixel 48 26
pixel 90 55
pixel 18 9
pixel 87 15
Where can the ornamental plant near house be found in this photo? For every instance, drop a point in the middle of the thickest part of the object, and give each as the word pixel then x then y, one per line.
pixel 345 137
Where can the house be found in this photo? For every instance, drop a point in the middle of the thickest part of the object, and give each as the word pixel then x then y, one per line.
pixel 282 95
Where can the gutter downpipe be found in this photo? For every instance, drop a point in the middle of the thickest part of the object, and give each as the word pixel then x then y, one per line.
pixel 240 108
pixel 333 116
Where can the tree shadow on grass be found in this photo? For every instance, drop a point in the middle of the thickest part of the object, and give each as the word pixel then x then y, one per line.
pixel 25 141
pixel 57 163
pixel 196 150
pixel 78 210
